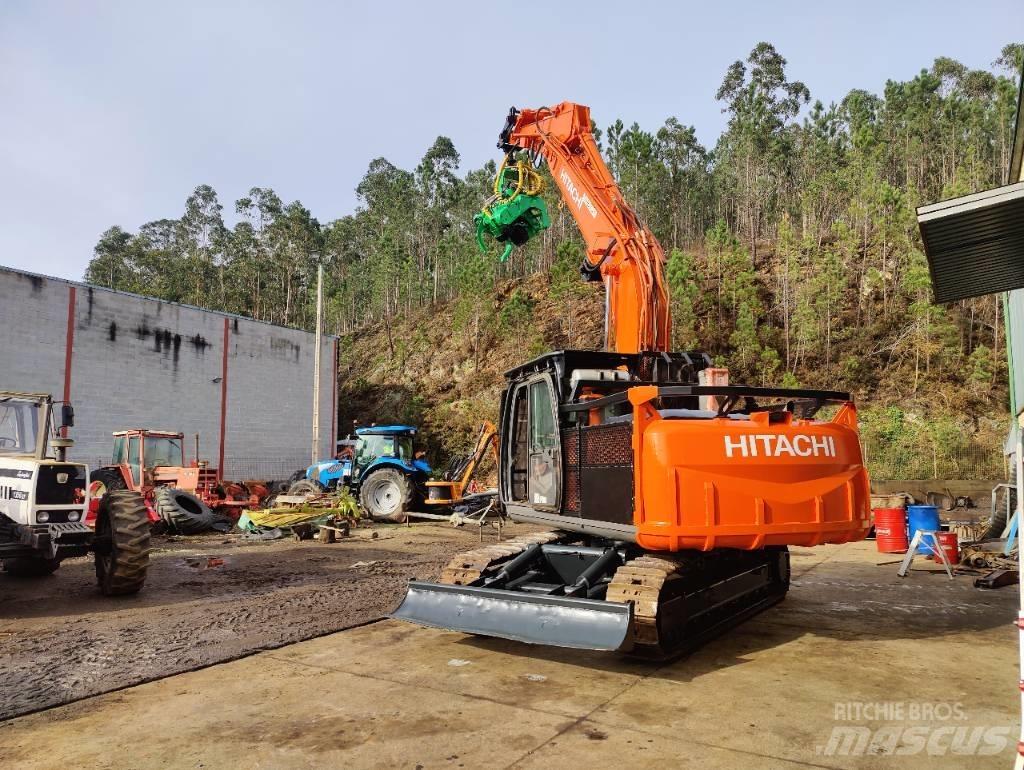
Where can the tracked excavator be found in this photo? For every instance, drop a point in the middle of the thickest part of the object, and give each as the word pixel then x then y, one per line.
pixel 671 501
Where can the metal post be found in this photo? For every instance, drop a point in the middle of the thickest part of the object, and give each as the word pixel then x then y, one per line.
pixel 1019 461
pixel 316 362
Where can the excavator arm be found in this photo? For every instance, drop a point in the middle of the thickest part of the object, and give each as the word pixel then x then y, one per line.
pixel 452 489
pixel 621 251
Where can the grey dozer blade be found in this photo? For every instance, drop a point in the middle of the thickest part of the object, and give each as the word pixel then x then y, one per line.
pixel 586 624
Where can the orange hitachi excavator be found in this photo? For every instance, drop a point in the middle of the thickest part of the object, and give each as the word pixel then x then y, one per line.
pixel 671 503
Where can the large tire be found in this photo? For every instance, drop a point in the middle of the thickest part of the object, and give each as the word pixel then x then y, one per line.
pixel 111 479
pixel 184 513
pixel 30 566
pixel 997 520
pixel 306 487
pixel 386 494
pixel 122 547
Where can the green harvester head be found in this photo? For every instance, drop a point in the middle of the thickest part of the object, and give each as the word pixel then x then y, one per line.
pixel 516 212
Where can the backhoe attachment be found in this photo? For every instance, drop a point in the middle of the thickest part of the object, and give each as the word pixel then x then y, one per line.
pixel 516 212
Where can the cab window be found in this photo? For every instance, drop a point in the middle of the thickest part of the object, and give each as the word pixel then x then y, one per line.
pixel 543 446
pixel 371 448
pixel 120 450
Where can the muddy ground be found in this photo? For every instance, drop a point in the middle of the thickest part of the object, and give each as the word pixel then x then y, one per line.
pixel 207 599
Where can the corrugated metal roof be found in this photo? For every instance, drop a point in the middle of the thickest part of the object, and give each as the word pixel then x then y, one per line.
pixel 975 243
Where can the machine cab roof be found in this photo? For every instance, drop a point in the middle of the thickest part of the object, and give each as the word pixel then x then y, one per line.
pixel 386 430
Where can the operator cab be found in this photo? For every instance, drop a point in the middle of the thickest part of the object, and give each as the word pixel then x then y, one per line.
pixel 379 441
pixel 23 429
pixel 547 428
pixel 143 450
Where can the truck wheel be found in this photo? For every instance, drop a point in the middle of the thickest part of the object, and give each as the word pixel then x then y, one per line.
pixel 103 480
pixel 184 513
pixel 30 566
pixel 386 494
pixel 122 553
pixel 305 487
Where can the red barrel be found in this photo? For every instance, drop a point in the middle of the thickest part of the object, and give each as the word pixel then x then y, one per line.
pixel 891 530
pixel 949 543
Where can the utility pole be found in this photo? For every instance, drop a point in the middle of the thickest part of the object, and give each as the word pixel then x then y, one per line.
pixel 316 361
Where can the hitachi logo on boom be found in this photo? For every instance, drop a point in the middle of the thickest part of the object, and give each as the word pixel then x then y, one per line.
pixel 582 200
pixel 779 445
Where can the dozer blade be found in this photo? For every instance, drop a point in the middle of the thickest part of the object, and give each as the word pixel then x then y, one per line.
pixel 586 624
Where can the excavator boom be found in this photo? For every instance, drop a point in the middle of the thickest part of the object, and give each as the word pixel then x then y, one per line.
pixel 620 250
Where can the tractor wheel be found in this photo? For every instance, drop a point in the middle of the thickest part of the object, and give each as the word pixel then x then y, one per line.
pixel 30 566
pixel 184 513
pixel 122 547
pixel 103 480
pixel 306 487
pixel 386 494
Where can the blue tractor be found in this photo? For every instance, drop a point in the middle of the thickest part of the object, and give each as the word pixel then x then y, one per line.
pixel 379 466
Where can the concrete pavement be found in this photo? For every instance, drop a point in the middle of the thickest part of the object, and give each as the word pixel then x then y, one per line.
pixel 920 665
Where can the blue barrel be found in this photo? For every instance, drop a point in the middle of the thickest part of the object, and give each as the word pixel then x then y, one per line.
pixel 924 517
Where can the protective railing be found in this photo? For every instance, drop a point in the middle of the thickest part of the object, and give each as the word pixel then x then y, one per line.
pixel 934 461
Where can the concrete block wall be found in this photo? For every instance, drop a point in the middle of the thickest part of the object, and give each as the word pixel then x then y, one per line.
pixel 140 362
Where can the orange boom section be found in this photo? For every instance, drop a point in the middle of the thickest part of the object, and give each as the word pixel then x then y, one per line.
pixel 621 250
pixel 768 480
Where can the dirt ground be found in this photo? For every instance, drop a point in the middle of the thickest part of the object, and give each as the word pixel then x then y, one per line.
pixel 856 669
pixel 207 599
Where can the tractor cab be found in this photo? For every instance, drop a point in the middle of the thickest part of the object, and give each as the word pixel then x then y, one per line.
pixel 142 455
pixel 23 425
pixel 391 444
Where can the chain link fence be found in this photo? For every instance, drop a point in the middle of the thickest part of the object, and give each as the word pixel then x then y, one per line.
pixel 241 468
pixel 951 461
pixel 264 469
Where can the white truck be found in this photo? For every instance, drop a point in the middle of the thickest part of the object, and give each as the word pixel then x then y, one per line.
pixel 44 500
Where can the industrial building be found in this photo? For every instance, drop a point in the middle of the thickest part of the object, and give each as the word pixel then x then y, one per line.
pixel 244 387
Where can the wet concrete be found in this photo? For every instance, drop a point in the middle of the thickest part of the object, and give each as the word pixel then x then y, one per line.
pixel 933 661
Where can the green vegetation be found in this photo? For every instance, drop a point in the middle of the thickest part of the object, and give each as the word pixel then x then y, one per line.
pixel 793 252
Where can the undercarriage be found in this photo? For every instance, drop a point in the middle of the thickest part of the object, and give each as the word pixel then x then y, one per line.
pixel 565 590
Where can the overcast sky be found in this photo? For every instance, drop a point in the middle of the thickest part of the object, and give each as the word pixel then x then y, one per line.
pixel 112 112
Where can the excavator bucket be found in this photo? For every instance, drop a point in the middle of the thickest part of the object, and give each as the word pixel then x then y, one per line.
pixel 586 624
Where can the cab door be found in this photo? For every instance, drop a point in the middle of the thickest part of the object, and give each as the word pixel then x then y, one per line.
pixel 534 449
pixel 135 459
pixel 544 446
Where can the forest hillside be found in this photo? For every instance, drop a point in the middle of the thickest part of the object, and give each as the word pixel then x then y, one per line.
pixel 793 258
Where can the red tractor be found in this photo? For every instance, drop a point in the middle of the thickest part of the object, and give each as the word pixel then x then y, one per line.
pixel 186 498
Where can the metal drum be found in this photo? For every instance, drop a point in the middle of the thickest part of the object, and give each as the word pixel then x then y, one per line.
pixel 925 518
pixel 891 530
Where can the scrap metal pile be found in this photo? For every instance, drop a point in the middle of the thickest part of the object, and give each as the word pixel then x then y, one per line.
pixel 327 515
